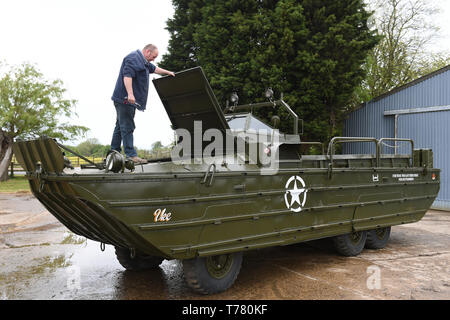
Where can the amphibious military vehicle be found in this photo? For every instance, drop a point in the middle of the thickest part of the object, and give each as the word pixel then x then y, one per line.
pixel 208 209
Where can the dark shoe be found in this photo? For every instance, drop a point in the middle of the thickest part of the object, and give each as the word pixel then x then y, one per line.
pixel 138 160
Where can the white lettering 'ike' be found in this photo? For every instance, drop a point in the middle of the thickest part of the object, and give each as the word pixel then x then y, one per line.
pixel 161 215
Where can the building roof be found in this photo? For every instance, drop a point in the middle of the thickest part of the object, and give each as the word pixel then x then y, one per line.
pixel 409 84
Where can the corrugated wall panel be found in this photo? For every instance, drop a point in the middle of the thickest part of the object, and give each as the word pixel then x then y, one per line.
pixel 431 131
pixel 428 130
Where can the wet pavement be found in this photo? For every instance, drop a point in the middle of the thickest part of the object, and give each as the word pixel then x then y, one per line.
pixel 41 259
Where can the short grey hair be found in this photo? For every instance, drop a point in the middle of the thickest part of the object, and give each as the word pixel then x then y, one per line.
pixel 150 47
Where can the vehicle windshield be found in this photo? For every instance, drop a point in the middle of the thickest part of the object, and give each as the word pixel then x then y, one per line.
pixel 246 121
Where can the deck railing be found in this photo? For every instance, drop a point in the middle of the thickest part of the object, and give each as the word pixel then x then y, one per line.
pixel 77 161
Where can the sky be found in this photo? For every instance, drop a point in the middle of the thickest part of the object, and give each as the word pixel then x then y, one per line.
pixel 83 43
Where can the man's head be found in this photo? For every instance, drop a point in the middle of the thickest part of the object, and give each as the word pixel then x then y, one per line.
pixel 150 52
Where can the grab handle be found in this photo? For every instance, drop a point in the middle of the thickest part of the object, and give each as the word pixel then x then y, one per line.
pixel 212 165
pixel 335 140
pixel 395 140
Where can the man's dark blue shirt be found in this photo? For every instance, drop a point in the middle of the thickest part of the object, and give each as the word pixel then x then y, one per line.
pixel 136 67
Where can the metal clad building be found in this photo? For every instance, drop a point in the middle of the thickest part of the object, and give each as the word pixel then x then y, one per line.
pixel 419 110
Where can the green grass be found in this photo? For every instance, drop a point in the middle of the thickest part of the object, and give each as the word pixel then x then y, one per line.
pixel 16 184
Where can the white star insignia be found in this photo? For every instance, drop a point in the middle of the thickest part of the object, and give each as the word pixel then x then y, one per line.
pixel 298 195
pixel 295 194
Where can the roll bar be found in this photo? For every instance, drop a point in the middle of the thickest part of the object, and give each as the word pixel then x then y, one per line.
pixel 378 147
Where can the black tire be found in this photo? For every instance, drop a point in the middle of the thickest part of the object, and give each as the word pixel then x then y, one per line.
pixel 139 262
pixel 378 238
pixel 350 244
pixel 209 275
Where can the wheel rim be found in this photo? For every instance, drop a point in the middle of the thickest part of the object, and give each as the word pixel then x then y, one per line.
pixel 219 266
pixel 380 233
pixel 355 237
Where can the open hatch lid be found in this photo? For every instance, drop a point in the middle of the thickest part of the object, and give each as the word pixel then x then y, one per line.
pixel 188 97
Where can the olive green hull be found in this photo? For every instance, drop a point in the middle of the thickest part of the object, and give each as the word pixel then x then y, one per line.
pixel 239 211
pixel 232 207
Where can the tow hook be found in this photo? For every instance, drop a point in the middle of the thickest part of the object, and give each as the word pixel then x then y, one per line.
pixel 132 253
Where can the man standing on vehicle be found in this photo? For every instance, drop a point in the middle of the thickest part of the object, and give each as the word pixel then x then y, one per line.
pixel 131 93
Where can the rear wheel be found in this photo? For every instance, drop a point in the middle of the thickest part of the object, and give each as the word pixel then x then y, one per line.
pixel 350 244
pixel 137 263
pixel 378 238
pixel 208 275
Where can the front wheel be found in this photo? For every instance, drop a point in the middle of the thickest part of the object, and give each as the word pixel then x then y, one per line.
pixel 378 238
pixel 350 244
pixel 214 274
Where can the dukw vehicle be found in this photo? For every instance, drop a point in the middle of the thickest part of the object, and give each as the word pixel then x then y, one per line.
pixel 208 213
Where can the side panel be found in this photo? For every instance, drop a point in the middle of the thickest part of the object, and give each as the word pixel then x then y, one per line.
pixel 176 215
pixel 431 131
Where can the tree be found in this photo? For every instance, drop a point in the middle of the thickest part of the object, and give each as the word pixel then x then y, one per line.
pixel 5 153
pixel 402 55
pixel 31 106
pixel 310 50
pixel 340 41
pixel 93 148
pixel 181 27
pixel 156 146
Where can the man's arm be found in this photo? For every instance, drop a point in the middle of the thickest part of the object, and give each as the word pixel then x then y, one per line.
pixel 162 72
pixel 128 82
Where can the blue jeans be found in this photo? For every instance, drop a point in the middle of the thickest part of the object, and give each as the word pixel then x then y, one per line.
pixel 124 129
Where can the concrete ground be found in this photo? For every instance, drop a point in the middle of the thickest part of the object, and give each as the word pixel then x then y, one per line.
pixel 41 259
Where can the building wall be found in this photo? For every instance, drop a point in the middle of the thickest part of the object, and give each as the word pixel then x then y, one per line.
pixel 428 129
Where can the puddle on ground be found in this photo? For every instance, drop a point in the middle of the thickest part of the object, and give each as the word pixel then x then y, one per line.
pixel 67 266
pixel 76 268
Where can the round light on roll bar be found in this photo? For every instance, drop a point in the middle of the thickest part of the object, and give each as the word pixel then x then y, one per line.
pixel 269 93
pixel 234 98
